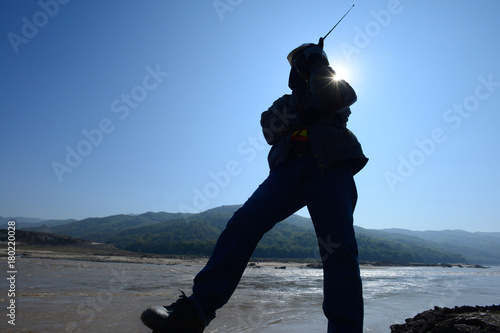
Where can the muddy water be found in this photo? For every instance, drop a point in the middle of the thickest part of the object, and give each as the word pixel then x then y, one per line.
pixel 80 296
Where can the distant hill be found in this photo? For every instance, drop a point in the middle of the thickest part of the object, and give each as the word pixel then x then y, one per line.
pixel 20 219
pixel 30 243
pixel 196 234
pixel 477 247
pixel 28 222
pixel 99 229
pixel 42 238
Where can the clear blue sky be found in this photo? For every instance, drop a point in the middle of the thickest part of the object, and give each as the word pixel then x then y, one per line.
pixel 111 107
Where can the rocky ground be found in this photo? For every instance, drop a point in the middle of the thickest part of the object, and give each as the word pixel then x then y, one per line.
pixel 464 319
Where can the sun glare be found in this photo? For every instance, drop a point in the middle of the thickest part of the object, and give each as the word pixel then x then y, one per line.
pixel 341 74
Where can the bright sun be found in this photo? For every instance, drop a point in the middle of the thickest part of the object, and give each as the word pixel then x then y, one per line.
pixel 341 74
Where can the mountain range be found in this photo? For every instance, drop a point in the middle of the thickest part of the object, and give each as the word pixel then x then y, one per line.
pixel 196 234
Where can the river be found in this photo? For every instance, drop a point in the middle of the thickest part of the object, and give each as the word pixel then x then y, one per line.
pixel 84 296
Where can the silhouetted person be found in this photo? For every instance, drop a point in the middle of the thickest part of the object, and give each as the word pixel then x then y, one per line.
pixel 312 162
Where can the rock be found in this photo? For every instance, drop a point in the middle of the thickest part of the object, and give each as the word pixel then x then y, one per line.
pixel 464 319
pixel 317 265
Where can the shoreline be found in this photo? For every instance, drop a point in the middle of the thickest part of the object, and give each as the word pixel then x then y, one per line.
pixel 48 287
pixel 111 254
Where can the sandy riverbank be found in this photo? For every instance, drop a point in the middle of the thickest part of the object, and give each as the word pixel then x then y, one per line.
pixel 121 256
pixel 111 254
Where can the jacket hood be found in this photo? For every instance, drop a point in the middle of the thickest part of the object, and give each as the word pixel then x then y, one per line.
pixel 296 50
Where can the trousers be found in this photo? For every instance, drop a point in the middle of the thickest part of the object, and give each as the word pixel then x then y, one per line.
pixel 330 196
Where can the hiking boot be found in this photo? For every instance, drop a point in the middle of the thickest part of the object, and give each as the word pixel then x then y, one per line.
pixel 179 317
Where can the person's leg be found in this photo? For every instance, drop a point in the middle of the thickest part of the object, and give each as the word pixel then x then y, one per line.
pixel 276 198
pixel 331 198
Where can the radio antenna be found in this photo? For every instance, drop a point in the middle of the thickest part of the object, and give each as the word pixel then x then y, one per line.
pixel 321 40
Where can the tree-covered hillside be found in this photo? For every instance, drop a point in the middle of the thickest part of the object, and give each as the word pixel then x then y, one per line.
pixel 100 229
pixel 196 234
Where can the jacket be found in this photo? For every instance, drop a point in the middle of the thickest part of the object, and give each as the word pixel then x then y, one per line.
pixel 323 110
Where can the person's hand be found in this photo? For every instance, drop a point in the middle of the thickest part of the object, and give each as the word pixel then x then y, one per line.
pixel 313 54
pixel 321 42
